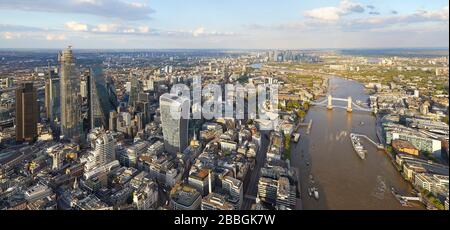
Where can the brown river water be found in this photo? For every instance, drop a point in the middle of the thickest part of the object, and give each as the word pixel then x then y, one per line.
pixel 344 180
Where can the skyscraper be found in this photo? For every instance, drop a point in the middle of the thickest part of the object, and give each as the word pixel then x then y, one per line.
pixel 52 97
pixel 174 126
pixel 47 98
pixel 55 99
pixel 71 121
pixel 135 88
pixel 27 113
pixel 102 99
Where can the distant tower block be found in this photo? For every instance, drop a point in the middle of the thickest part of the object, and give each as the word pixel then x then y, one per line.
pixel 349 106
pixel 330 102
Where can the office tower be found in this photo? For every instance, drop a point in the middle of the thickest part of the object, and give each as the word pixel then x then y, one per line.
pixel 104 149
pixel 52 97
pixel 50 74
pixel 135 88
pixel 47 99
pixel 101 97
pixel 71 121
pixel 174 126
pixel 113 121
pixel 55 99
pixel 27 113
pixel 127 124
pixel 143 106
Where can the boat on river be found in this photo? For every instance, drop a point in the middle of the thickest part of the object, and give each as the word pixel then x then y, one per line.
pixel 295 137
pixel 357 146
pixel 313 192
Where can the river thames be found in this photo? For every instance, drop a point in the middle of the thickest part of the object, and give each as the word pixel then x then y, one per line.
pixel 326 156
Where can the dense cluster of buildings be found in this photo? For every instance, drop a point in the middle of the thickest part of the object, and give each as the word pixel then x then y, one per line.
pixel 88 139
pixel 414 123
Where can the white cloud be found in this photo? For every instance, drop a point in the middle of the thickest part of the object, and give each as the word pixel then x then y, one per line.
pixel 11 35
pixel 198 32
pixel 106 8
pixel 420 16
pixel 75 26
pixel 325 13
pixel 129 31
pixel 55 37
pixel 144 29
pixel 105 28
pixel 334 13
pixel 442 14
pixel 93 2
pixel 203 32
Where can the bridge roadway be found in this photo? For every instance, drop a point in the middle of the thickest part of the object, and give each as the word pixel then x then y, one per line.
pixel 350 107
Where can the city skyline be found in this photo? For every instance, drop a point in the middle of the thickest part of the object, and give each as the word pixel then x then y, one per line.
pixel 101 24
pixel 225 105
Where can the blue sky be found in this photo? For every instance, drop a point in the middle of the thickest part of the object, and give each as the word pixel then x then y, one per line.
pixel 262 24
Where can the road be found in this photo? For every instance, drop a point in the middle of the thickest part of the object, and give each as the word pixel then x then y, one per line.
pixel 252 187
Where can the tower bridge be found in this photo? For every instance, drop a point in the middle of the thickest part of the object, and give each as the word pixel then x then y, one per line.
pixel 351 106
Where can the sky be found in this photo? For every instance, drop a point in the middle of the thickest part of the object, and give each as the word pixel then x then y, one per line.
pixel 224 24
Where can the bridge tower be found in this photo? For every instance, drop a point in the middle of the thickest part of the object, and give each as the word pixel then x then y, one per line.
pixel 330 102
pixel 349 105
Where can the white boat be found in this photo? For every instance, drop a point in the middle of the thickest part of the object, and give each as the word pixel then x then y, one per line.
pixel 316 194
pixel 357 146
pixel 313 192
pixel 295 137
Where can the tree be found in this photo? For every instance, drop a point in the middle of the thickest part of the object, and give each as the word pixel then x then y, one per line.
pixel 301 114
pixel 306 106
pixel 290 105
pixel 287 147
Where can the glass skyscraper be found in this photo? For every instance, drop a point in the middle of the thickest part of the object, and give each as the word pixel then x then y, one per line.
pixel 52 99
pixel 71 120
pixel 174 126
pixel 102 99
pixel 135 88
